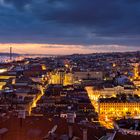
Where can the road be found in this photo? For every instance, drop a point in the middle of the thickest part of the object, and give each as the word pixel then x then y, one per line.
pixel 36 99
pixel 93 98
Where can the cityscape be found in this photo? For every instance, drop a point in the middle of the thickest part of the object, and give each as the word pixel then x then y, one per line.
pixel 78 97
pixel 69 70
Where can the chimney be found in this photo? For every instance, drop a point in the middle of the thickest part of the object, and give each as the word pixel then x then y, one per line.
pixel 70 128
pixel 85 134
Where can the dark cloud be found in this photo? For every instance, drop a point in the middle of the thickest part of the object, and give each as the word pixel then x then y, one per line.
pixel 71 21
pixel 19 4
pixel 101 16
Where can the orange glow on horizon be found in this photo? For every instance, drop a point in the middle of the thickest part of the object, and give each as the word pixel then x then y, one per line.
pixel 29 48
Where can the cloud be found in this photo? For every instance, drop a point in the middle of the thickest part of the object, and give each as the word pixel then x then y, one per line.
pixel 100 16
pixel 19 4
pixel 79 22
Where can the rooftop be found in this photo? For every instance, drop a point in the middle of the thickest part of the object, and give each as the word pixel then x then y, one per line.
pixel 35 128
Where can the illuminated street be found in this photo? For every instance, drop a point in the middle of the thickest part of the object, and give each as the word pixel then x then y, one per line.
pixel 104 122
pixel 36 99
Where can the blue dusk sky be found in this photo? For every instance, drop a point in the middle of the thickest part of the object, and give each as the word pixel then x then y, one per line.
pixel 69 26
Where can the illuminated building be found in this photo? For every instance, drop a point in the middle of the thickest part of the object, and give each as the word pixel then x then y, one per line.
pixel 61 78
pixel 68 79
pixel 136 71
pixel 3 70
pixel 2 84
pixel 118 109
pixel 57 78
pixel 114 65
pixel 88 75
pixel 44 67
pixel 95 93
pixel 136 79
pixel 4 80
pixel 137 83
pixel 71 78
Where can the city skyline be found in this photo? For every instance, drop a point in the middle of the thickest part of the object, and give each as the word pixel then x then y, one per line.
pixel 68 27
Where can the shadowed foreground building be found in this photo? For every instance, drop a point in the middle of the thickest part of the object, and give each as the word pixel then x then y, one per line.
pixel 43 128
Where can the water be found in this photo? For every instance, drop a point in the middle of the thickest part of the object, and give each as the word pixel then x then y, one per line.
pixel 6 59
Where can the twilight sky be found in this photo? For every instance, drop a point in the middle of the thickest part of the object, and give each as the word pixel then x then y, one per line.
pixel 69 26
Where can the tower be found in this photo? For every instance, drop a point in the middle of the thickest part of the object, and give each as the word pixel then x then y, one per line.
pixel 10 53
